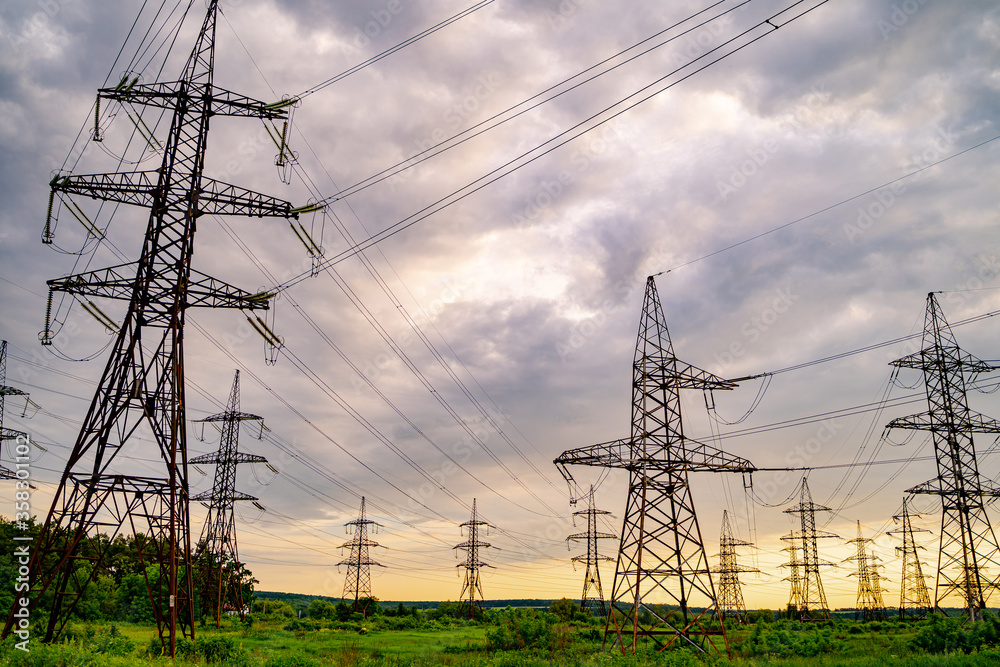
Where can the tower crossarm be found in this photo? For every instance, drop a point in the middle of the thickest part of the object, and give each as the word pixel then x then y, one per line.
pixel 141 188
pixel 230 415
pixel 936 487
pixel 687 376
pixel 218 457
pixel 957 359
pixel 928 421
pixel 598 536
pixel 469 544
pixel 627 454
pixel 210 495
pixel 222 102
pixel 203 291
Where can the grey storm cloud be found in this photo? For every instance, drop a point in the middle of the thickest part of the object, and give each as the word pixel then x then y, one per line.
pixel 530 288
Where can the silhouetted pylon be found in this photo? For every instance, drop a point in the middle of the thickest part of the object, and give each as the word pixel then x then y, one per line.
pixel 217 550
pixel 913 594
pixel 5 391
pixel 796 600
pixel 140 402
pixel 663 589
pixel 869 603
pixel 969 547
pixel 812 605
pixel 730 590
pixel 470 600
pixel 593 595
pixel 359 577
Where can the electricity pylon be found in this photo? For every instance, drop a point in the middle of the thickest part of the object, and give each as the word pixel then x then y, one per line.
pixel 359 577
pixel 217 550
pixel 141 393
pixel 468 604
pixel 593 595
pixel 730 589
pixel 794 579
pixel 913 595
pixel 5 391
pixel 869 601
pixel 663 588
pixel 812 605
pixel 969 558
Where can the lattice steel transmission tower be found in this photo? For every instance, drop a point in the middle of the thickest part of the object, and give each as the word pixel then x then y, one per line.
pixel 5 391
pixel 913 594
pixel 969 558
pixel 730 589
pixel 141 392
pixel 662 567
pixel 796 599
pixel 359 577
pixel 468 604
pixel 217 552
pixel 869 602
pixel 813 605
pixel 593 594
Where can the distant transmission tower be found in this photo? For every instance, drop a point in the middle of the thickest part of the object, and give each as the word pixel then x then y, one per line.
pixel 913 595
pixel 796 599
pixel 359 577
pixel 663 588
pixel 217 551
pixel 869 602
pixel 969 558
pixel 813 605
pixel 730 590
pixel 140 396
pixel 5 391
pixel 593 595
pixel 468 603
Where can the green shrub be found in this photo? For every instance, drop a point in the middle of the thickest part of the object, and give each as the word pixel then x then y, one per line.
pixel 516 629
pixel 293 660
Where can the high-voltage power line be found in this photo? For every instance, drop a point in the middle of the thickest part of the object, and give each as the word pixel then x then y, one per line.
pixel 969 557
pixel 662 567
pixel 470 600
pixel 869 602
pixel 731 603
pixel 809 600
pixel 217 553
pixel 913 595
pixel 142 387
pixel 592 598
pixel 358 584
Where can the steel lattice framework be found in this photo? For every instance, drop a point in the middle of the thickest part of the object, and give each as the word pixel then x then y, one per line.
pixel 811 604
pixel 913 594
pixel 5 391
pixel 969 558
pixel 593 594
pixel 217 548
pixel 358 584
pixel 142 387
pixel 468 603
pixel 869 602
pixel 662 562
pixel 794 579
pixel 731 603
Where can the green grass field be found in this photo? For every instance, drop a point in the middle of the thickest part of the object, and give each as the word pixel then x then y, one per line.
pixel 268 644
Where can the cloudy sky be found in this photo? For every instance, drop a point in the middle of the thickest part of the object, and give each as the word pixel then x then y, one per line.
pixel 457 358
